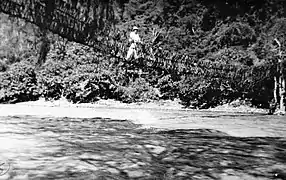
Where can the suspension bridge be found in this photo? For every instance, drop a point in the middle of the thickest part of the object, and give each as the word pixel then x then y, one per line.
pixel 87 22
pixel 84 22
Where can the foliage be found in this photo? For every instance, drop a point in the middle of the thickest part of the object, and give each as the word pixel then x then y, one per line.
pixel 19 84
pixel 279 31
pixel 168 87
pixel 200 93
pixel 51 80
pixel 139 90
pixel 235 34
pixel 74 73
pixel 233 56
pixel 88 87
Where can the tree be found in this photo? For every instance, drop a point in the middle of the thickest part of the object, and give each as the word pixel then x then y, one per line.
pixel 278 33
pixel 235 34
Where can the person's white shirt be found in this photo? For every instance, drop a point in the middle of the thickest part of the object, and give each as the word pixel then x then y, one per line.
pixel 134 37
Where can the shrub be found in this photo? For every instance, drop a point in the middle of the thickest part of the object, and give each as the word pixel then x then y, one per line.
pixel 234 56
pixel 81 88
pixel 235 34
pixel 19 84
pixel 200 93
pixel 50 79
pixel 138 91
pixel 168 87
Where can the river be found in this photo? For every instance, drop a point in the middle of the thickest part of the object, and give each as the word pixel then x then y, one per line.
pixel 119 143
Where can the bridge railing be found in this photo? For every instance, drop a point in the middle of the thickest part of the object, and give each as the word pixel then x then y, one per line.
pixel 79 24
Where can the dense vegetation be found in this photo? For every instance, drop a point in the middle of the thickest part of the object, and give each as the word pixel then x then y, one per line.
pixel 207 53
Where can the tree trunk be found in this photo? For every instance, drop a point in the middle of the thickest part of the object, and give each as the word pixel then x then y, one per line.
pixel 275 89
pixel 279 82
pixel 44 47
pixel 45 43
pixel 274 102
pixel 281 88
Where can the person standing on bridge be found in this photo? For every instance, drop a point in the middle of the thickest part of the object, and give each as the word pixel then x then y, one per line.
pixel 134 39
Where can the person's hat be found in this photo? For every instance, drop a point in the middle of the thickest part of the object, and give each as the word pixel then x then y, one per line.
pixel 135 28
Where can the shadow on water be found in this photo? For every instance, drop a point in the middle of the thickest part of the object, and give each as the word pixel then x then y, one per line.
pixel 100 148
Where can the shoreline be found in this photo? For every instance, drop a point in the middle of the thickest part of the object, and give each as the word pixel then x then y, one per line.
pixel 237 122
pixel 161 105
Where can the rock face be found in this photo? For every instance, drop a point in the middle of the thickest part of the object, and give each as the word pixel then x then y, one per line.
pixel 96 148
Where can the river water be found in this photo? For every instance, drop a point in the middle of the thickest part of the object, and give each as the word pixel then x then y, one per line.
pixel 115 143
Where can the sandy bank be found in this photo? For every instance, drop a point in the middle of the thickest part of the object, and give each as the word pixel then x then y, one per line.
pixel 106 109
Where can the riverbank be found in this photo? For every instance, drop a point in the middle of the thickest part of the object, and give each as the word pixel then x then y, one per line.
pixel 111 109
pixel 234 107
